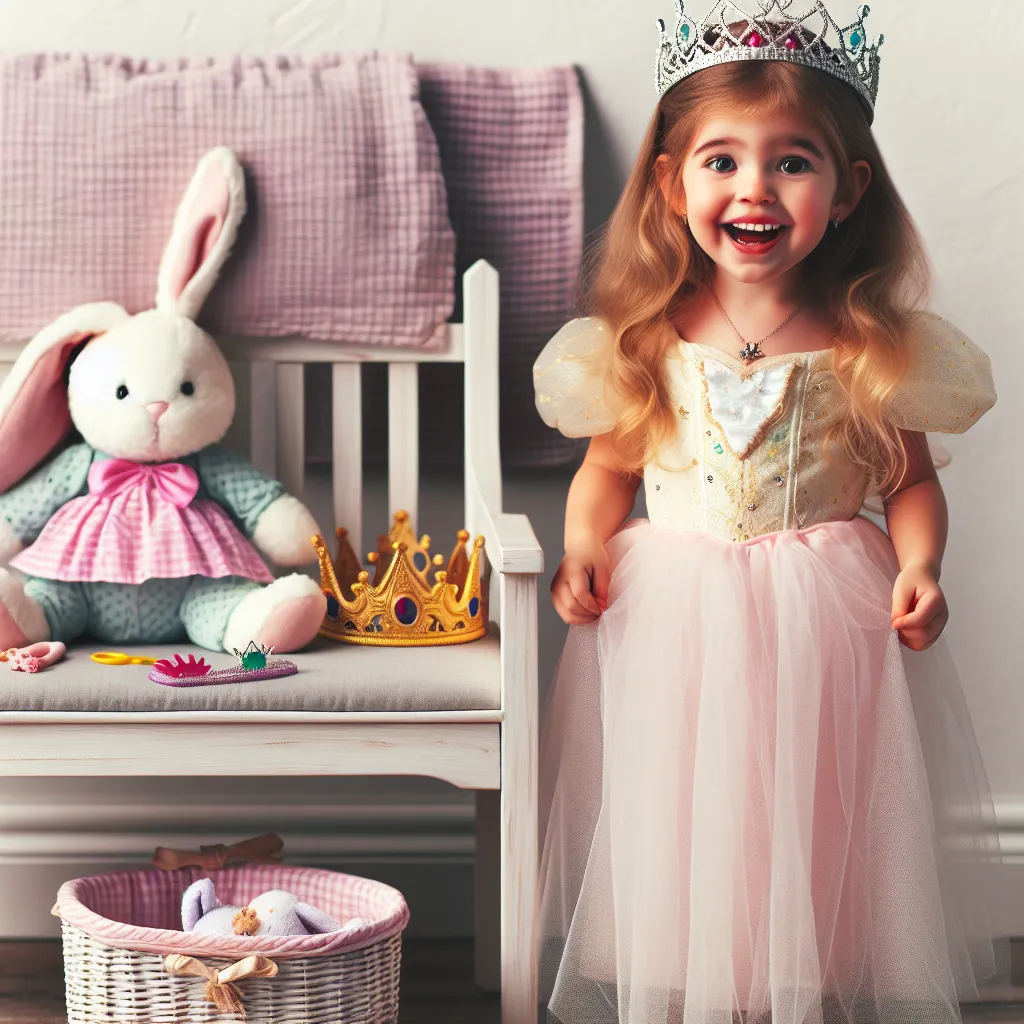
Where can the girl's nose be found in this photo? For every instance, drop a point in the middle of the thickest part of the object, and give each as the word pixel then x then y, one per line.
pixel 157 409
pixel 755 188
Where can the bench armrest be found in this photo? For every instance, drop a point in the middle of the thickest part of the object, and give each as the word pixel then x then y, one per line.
pixel 511 544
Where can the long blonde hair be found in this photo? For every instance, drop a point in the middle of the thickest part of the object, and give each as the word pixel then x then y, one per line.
pixel 871 276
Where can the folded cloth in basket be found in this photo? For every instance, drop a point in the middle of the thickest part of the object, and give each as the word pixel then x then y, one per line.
pixel 347 238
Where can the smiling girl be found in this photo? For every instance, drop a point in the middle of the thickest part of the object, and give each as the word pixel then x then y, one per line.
pixel 763 796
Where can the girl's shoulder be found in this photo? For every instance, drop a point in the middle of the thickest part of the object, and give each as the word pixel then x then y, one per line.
pixel 569 379
pixel 949 386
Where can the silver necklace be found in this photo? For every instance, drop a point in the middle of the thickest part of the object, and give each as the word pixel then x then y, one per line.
pixel 751 352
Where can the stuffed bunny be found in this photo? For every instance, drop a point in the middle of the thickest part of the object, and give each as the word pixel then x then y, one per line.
pixel 274 913
pixel 141 533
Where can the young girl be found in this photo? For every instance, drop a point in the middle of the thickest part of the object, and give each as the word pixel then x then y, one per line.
pixel 759 805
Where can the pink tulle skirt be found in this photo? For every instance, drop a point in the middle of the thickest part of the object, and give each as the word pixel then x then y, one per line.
pixel 759 806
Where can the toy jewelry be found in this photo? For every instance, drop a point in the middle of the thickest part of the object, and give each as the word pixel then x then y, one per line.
pixel 750 352
pixel 401 606
pixel 812 39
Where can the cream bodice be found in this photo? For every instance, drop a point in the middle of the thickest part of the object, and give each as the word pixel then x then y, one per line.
pixel 747 458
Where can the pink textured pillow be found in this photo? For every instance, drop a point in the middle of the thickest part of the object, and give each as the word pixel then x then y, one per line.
pixel 347 236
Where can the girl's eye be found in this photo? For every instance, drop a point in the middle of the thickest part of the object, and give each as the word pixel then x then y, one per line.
pixel 794 165
pixel 121 392
pixel 721 164
pixel 188 388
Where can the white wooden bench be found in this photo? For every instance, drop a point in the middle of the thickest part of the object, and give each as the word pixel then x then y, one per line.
pixel 492 751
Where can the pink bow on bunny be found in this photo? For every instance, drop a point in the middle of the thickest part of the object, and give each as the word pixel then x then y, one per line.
pixel 174 481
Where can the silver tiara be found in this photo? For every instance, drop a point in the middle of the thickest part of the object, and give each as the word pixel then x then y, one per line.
pixel 812 39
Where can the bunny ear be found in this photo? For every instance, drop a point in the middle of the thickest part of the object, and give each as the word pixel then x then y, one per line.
pixel 205 228
pixel 34 416
pixel 315 921
pixel 198 900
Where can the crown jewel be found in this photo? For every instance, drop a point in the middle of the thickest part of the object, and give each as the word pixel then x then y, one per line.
pixel 401 607
pixel 773 32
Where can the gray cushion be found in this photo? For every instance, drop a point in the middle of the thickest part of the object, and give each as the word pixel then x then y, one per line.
pixel 331 677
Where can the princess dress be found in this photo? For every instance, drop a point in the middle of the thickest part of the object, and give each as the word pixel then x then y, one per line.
pixel 758 804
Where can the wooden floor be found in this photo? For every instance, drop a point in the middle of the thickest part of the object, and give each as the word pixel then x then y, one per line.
pixel 437 984
pixel 437 987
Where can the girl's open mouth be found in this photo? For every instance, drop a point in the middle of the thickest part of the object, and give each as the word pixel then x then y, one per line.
pixel 754 235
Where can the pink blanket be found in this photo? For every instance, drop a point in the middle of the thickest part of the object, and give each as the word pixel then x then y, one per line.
pixel 511 143
pixel 347 236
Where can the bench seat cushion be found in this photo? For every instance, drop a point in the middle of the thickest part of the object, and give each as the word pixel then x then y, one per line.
pixel 331 677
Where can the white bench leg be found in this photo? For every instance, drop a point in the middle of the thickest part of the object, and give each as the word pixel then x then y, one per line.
pixel 519 825
pixel 487 892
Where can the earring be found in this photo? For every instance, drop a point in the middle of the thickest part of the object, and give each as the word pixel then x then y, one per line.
pixel 836 223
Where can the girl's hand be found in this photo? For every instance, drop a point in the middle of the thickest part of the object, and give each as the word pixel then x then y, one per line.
pixel 919 610
pixel 579 590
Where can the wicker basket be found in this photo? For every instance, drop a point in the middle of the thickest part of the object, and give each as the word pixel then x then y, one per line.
pixel 127 961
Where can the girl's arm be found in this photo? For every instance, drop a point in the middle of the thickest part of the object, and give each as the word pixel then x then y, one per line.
pixel 918 523
pixel 601 495
pixel 600 499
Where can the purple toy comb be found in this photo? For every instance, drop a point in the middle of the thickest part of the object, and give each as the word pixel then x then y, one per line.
pixel 193 673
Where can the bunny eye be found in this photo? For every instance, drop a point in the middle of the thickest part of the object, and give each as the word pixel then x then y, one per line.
pixel 122 392
pixel 188 388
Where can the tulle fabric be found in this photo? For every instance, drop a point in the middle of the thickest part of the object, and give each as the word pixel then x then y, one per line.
pixel 758 805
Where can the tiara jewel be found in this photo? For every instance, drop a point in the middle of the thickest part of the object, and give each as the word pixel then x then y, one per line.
pixel 774 32
pixel 401 606
pixel 254 657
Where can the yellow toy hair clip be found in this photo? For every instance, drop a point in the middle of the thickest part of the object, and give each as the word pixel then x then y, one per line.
pixel 118 658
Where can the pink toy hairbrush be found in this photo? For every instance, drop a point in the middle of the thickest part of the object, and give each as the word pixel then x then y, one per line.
pixel 253 664
pixel 181 669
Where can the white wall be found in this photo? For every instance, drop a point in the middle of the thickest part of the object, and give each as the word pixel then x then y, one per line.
pixel 948 125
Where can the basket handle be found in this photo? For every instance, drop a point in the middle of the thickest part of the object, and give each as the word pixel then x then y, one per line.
pixel 265 849
pixel 221 989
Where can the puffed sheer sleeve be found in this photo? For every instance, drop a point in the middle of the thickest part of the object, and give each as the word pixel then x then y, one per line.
pixel 949 387
pixel 568 379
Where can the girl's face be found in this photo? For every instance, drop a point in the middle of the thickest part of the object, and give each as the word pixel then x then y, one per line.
pixel 759 194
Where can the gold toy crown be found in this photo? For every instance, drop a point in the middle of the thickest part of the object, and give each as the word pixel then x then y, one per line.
pixel 400 607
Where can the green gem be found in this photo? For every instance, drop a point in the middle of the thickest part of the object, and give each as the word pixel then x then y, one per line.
pixel 685 32
pixel 855 38
pixel 253 661
pixel 719 449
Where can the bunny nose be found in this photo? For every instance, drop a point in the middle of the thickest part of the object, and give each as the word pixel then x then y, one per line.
pixel 157 409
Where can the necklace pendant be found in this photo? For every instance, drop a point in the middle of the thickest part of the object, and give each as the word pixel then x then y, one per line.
pixel 751 352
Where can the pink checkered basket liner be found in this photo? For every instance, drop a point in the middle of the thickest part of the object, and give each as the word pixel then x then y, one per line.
pixel 141 910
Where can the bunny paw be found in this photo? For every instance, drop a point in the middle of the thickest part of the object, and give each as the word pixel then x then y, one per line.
pixel 285 615
pixel 22 621
pixel 284 533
